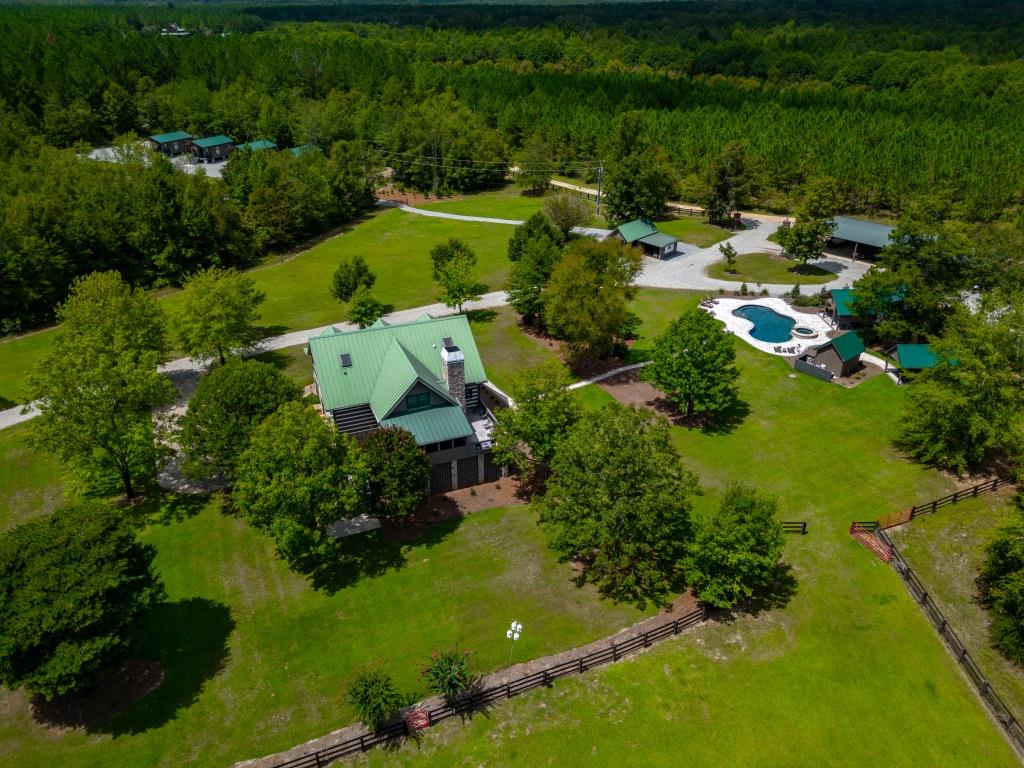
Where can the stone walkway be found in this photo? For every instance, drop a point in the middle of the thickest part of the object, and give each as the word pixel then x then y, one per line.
pixel 681 607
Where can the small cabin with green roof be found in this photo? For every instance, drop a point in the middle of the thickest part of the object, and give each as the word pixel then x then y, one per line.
pixel 643 233
pixel 255 146
pixel 213 149
pixel 840 356
pixel 172 144
pixel 911 358
pixel 424 377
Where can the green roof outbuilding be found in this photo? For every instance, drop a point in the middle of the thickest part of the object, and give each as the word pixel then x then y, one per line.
pixel 168 138
pixel 842 298
pixel 848 345
pixel 212 141
pixel 255 146
pixel 634 230
pixel 915 357
pixel 861 231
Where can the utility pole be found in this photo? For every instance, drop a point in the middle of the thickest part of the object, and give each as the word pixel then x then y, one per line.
pixel 433 190
pixel 600 178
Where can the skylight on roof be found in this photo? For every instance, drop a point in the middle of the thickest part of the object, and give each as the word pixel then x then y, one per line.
pixel 346 360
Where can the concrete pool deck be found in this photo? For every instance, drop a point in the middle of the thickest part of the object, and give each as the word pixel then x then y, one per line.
pixel 722 310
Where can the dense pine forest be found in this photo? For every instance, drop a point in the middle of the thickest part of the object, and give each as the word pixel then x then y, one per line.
pixel 900 102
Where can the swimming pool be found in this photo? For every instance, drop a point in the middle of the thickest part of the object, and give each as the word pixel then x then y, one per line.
pixel 769 325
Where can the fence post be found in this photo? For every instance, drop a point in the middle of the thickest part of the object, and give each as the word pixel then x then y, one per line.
pixel 581 665
pixel 995 483
pixel 983 687
pixel 316 756
pixel 508 690
pixel 963 655
pixel 935 506
pixel 675 627
pixel 615 652
pixel 975 489
pixel 924 598
pixel 956 496
pixel 942 626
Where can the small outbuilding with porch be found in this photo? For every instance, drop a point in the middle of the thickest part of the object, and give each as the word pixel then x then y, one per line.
pixel 213 149
pixel 866 237
pixel 172 144
pixel 256 146
pixel 840 356
pixel 643 233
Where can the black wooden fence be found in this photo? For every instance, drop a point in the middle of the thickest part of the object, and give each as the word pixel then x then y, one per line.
pixel 480 699
pixel 906 515
pixel 794 526
pixel 931 610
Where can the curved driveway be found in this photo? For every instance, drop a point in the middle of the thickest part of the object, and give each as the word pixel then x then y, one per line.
pixel 682 272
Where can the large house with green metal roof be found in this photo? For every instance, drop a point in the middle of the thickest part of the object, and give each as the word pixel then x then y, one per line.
pixel 644 234
pixel 425 377
pixel 173 143
pixel 213 149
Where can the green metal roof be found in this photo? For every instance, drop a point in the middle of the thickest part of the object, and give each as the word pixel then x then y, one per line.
pixel 166 138
pixel 863 232
pixel 843 299
pixel 916 356
pixel 254 146
pixel 420 343
pixel 633 230
pixel 212 141
pixel 658 240
pixel 399 371
pixel 300 150
pixel 433 425
pixel 848 345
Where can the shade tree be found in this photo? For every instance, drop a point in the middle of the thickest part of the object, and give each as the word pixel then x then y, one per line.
pixel 228 404
pixel 394 474
pixel 736 551
pixel 74 583
pixel 218 314
pixel 617 503
pixel 97 387
pixel 694 364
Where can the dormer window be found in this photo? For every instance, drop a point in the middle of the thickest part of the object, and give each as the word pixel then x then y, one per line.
pixel 417 401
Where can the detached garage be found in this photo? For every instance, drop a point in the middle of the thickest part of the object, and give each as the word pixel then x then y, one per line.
pixel 866 237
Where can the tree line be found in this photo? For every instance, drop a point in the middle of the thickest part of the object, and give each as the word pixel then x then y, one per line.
pixel 892 104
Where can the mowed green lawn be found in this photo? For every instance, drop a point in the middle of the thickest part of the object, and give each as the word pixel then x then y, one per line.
pixel 693 231
pixel 757 268
pixel 506 203
pixel 257 661
pixel 946 550
pixel 395 244
pixel 31 483
pixel 847 672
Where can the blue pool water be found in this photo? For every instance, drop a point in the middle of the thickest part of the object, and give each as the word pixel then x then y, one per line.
pixel 769 325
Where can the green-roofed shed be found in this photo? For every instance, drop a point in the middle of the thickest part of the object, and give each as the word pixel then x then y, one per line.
pixel 841 355
pixel 173 143
pixel 643 233
pixel 256 146
pixel 301 150
pixel 213 149
pixel 915 357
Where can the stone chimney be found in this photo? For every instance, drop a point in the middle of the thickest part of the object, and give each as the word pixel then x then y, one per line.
pixel 453 370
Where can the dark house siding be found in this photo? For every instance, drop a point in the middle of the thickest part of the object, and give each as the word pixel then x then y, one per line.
pixel 357 420
pixel 472 396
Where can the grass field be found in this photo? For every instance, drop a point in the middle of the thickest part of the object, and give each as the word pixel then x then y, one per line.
pixel 754 268
pixel 31 483
pixel 946 550
pixel 693 231
pixel 395 244
pixel 257 661
pixel 847 671
pixel 506 203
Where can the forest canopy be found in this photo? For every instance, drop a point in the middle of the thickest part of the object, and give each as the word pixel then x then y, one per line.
pixel 896 101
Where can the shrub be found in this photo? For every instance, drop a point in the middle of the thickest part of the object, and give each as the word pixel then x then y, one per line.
pixel 374 698
pixel 447 674
pixel 743 289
